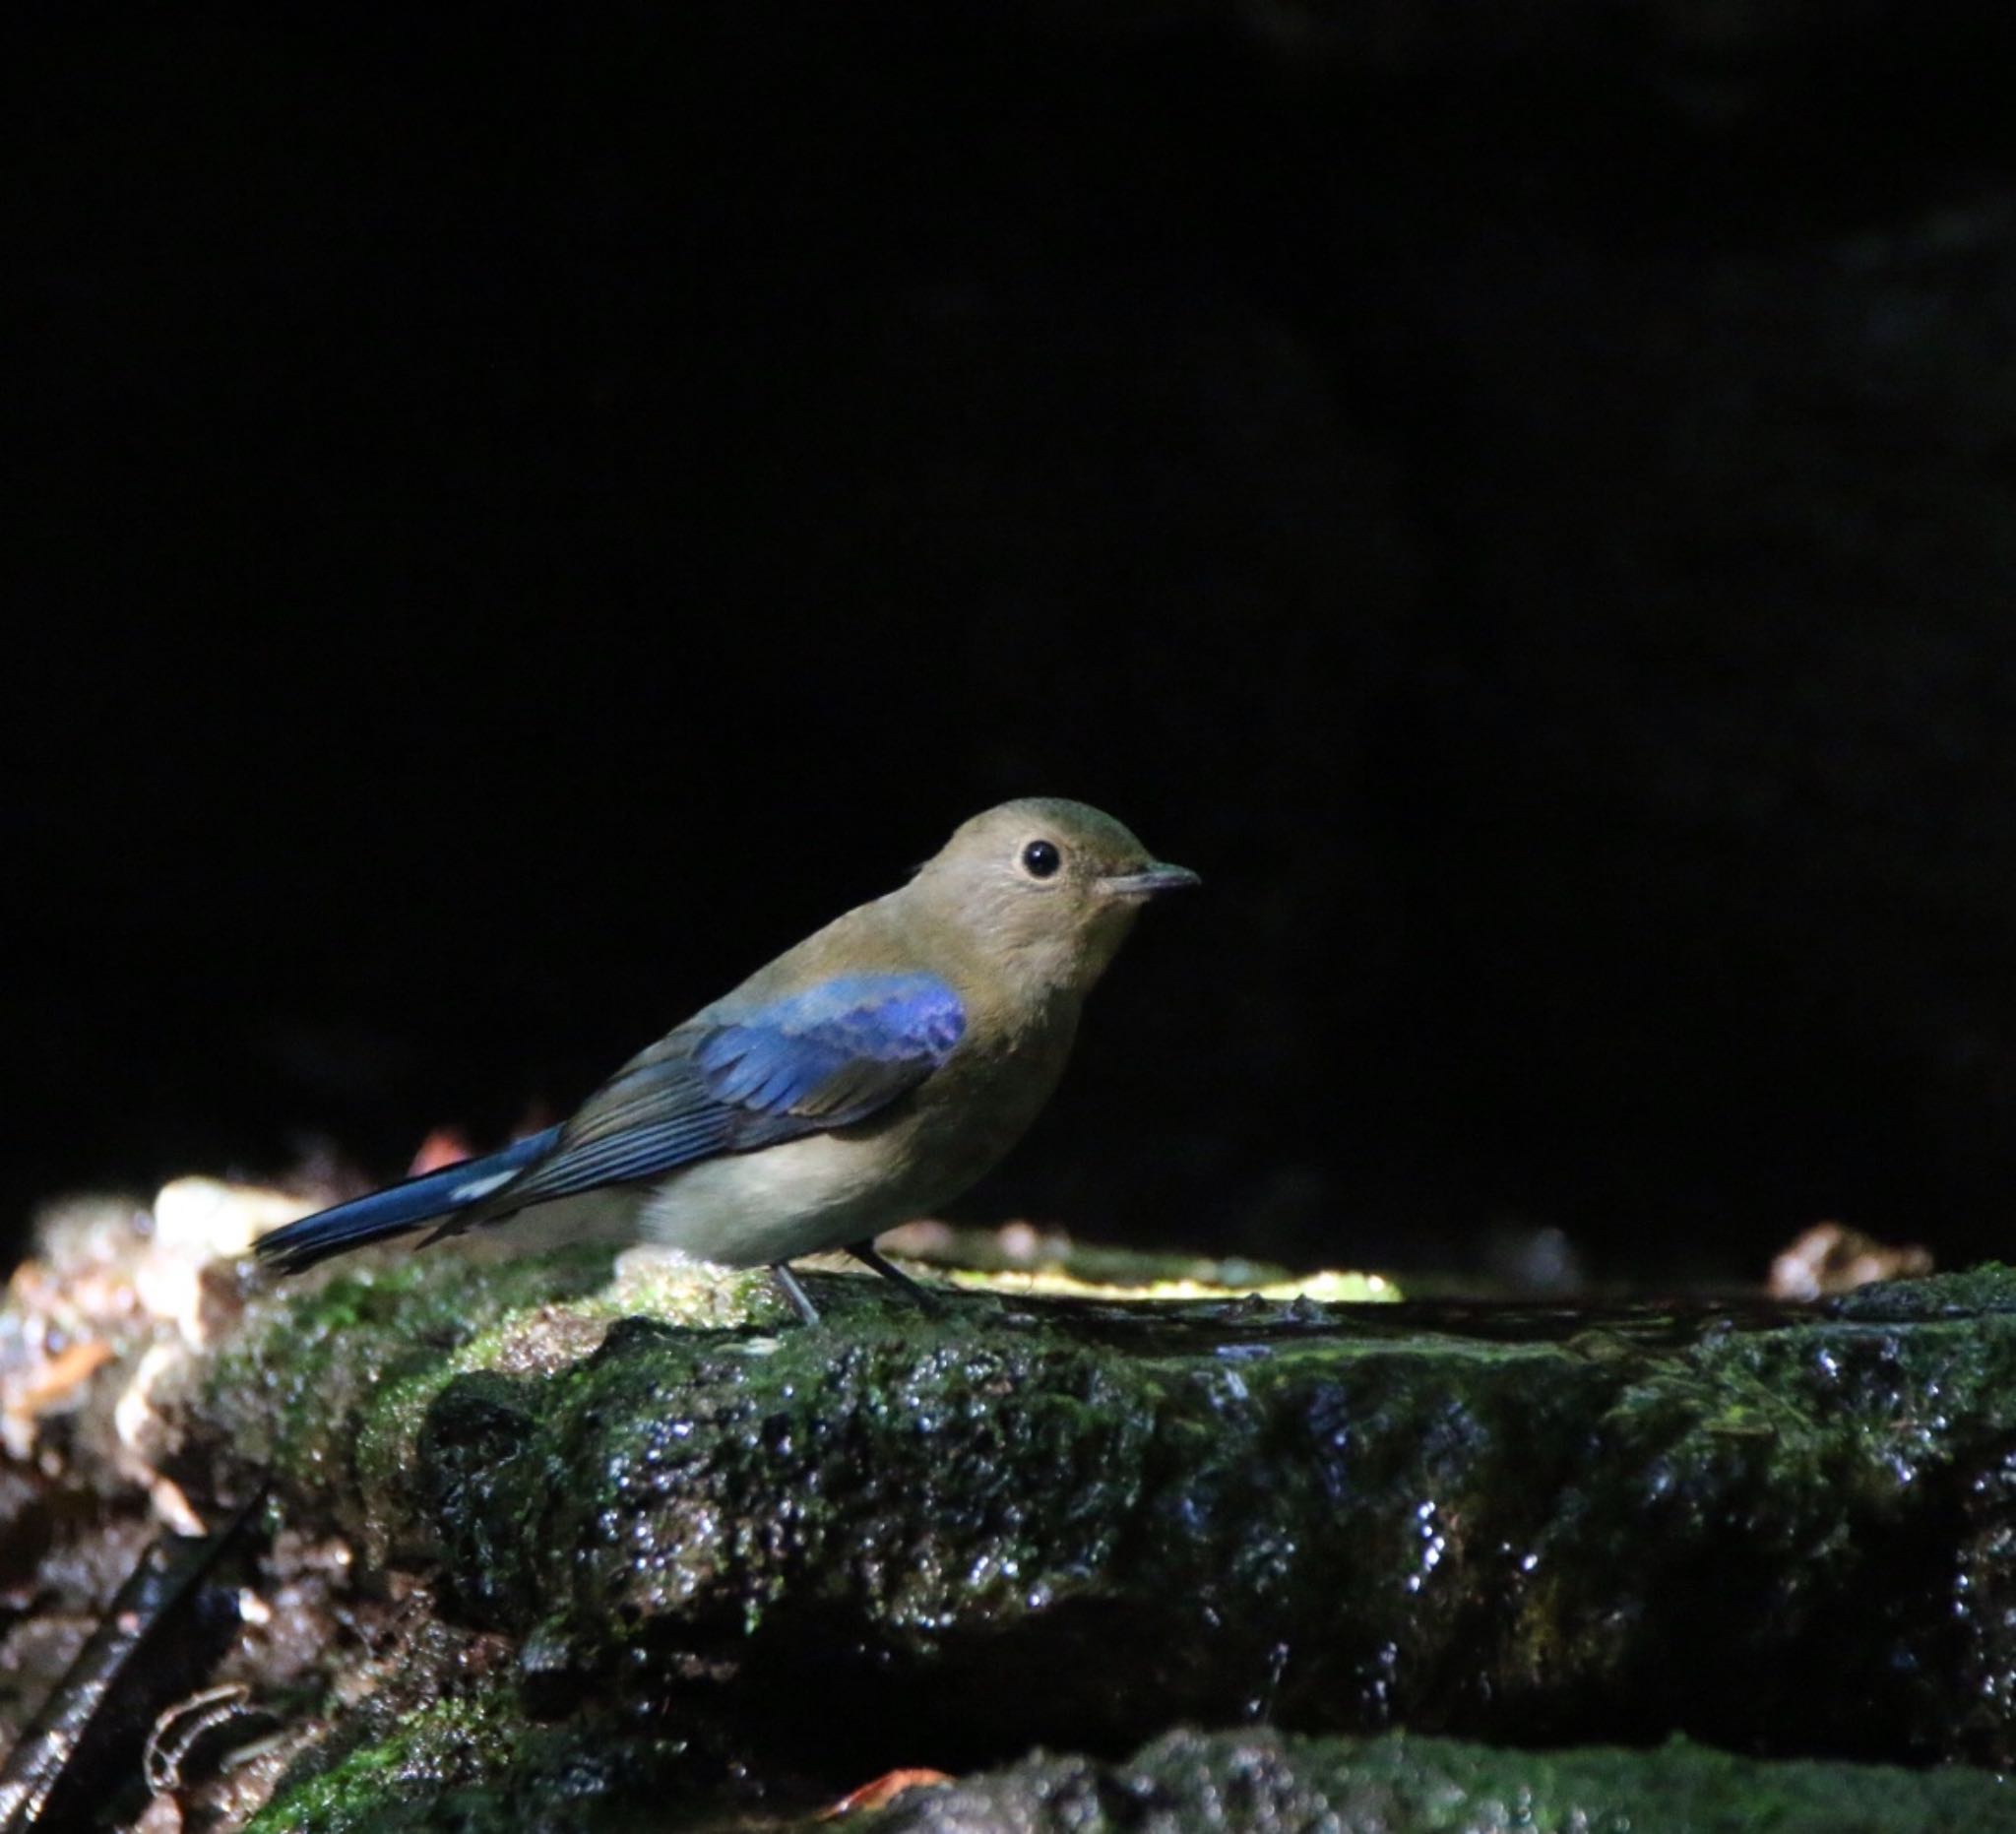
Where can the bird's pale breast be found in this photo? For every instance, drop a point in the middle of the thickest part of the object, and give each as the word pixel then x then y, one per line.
pixel 829 1189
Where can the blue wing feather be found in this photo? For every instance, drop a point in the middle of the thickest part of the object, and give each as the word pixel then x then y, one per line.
pixel 838 1051
pixel 826 1057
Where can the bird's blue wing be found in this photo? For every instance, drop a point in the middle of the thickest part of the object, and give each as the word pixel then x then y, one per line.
pixel 825 1057
pixel 836 1052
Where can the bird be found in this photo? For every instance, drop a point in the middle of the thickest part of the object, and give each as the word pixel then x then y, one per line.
pixel 864 1077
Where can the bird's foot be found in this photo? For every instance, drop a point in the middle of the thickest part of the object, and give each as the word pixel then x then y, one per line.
pixel 787 1284
pixel 871 1256
pixel 866 1253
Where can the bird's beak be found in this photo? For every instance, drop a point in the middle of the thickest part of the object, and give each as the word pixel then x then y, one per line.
pixel 1149 880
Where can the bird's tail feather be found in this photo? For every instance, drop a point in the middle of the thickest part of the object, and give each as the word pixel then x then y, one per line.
pixel 398 1208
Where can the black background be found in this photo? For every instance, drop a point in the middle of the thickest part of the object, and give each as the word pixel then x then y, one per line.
pixel 518 524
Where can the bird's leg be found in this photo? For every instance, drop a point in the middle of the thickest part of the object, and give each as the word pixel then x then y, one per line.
pixel 801 1300
pixel 869 1255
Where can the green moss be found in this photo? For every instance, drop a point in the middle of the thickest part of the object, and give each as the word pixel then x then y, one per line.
pixel 472 1765
pixel 926 1538
pixel 449 1744
pixel 324 1386
pixel 1258 1782
pixel 476 1763
pixel 1307 1512
pixel 1990 1288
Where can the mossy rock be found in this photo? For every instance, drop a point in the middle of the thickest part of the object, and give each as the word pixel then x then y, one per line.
pixel 894 1539
pixel 1260 1783
pixel 475 1762
pixel 476 1768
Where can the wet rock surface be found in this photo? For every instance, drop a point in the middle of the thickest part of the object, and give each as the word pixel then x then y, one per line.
pixel 1261 1783
pixel 1772 1530
pixel 539 1539
pixel 479 1770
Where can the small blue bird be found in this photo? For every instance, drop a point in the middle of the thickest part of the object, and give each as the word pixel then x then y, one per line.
pixel 861 1079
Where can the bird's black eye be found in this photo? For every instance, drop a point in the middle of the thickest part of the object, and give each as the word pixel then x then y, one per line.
pixel 1041 858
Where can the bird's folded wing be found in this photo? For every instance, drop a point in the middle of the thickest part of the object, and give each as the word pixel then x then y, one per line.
pixel 825 1057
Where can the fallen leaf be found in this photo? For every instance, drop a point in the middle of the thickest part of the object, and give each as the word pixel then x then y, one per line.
pixel 882 1792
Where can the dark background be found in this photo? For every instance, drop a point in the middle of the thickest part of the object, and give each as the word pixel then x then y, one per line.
pixel 522 524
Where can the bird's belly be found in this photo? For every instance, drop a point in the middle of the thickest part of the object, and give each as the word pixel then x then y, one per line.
pixel 609 1215
pixel 829 1189
pixel 796 1198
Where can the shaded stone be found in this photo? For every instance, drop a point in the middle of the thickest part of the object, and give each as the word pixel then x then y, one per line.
pixel 554 1538
pixel 894 1539
pixel 473 1766
pixel 1260 1783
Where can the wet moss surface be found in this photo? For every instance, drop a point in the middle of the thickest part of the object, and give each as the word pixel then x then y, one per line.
pixel 475 1762
pixel 323 1388
pixel 475 1766
pixel 1261 1783
pixel 893 1539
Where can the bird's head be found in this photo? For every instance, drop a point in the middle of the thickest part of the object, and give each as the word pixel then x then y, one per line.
pixel 1051 887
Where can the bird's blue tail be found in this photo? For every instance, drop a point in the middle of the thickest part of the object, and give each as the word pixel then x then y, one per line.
pixel 398 1208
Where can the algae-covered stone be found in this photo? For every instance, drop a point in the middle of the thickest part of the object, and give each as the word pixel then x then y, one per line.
pixel 476 1763
pixel 893 1538
pixel 323 1387
pixel 474 1767
pixel 943 1532
pixel 1258 1782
